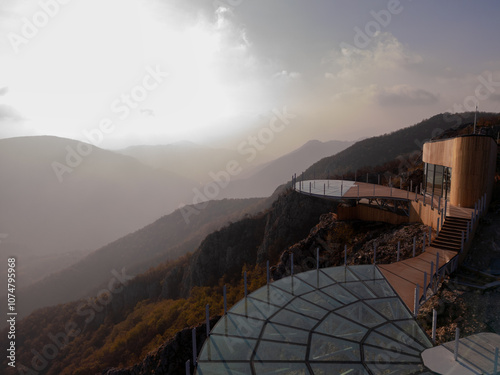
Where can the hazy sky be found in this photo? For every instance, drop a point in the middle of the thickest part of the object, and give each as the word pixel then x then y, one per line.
pixel 160 71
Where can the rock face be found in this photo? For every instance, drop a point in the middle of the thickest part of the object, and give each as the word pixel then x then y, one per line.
pixel 249 241
pixel 330 236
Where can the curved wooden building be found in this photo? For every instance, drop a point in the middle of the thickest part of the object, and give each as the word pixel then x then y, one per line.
pixel 460 169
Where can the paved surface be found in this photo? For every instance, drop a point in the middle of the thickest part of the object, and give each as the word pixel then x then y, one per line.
pixel 476 355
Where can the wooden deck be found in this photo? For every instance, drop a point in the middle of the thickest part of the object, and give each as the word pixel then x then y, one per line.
pixel 406 274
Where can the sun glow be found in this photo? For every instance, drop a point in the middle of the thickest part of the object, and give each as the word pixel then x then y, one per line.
pixel 64 79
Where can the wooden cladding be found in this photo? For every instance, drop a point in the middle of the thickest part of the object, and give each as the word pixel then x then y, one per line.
pixel 472 159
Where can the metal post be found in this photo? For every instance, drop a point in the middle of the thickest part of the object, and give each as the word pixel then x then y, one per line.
pixel 495 364
pixel 225 300
pixel 437 262
pixel 367 178
pixel 268 276
pixel 245 282
pixel 207 317
pixel 291 265
pixel 445 208
pixel 341 189
pixel 399 249
pixel 457 340
pixel 188 367
pixel 424 199
pixel 423 244
pixel 432 274
pixel 317 258
pixel 345 255
pixel 437 229
pixel 425 286
pixel 324 189
pixel 414 245
pixel 374 253
pixel 193 339
pixel 411 185
pixel 417 293
pixel 309 187
pixel 434 323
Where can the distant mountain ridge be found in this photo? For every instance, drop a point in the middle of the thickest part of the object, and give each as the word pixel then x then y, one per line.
pixel 168 238
pixel 384 148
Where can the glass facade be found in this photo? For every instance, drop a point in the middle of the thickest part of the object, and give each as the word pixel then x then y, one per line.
pixel 340 320
pixel 437 180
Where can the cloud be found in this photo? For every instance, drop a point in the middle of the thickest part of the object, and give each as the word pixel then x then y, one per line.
pixel 3 91
pixel 385 52
pixel 404 95
pixel 286 75
pixel 9 113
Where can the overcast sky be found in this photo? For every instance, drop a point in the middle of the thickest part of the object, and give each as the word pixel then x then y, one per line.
pixel 216 72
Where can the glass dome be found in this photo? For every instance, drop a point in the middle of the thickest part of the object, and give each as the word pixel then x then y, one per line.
pixel 340 320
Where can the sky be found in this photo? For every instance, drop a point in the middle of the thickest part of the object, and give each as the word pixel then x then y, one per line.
pixel 117 73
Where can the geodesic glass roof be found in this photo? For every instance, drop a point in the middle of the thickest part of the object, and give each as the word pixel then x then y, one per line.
pixel 340 320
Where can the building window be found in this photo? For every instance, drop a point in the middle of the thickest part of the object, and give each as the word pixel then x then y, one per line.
pixel 437 180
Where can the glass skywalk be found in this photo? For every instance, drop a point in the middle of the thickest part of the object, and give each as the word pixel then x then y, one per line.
pixel 341 320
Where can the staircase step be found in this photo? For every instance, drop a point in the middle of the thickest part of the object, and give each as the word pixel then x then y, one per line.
pixel 446 247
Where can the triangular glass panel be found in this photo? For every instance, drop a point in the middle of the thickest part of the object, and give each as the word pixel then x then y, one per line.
pixel 294 320
pixel 327 348
pixel 289 368
pixel 381 288
pixel 339 293
pixel 321 299
pixel 335 325
pixel 315 278
pixel 271 294
pixel 399 369
pixel 397 334
pixel 224 348
pixel 254 309
pixel 223 368
pixel 362 314
pixel 338 369
pixel 279 332
pixel 376 339
pixel 359 289
pixel 411 327
pixel 236 325
pixel 366 272
pixel 385 357
pixel 280 351
pixel 293 285
pixel 340 274
pixel 391 308
pixel 306 308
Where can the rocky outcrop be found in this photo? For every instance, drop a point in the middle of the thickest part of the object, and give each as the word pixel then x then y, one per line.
pixel 290 220
pixel 330 236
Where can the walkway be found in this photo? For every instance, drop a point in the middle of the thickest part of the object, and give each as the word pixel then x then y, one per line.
pixel 411 274
pixel 476 355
